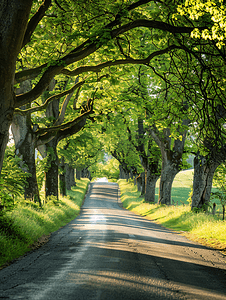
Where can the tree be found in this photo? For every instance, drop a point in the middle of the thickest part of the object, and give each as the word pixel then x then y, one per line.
pixel 20 45
pixel 109 169
pixel 26 136
pixel 99 44
pixel 25 142
pixel 81 152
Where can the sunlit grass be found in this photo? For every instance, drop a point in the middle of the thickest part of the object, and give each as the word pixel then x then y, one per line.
pixel 26 224
pixel 205 228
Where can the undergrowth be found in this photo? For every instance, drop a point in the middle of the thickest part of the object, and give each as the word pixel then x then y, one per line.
pixel 205 228
pixel 24 225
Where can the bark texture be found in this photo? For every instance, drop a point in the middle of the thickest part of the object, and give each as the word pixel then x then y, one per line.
pixel 204 168
pixel 171 159
pixel 149 163
pixel 14 16
pixel 25 142
pixel 62 178
pixel 51 175
pixel 25 148
pixel 78 174
pixel 70 176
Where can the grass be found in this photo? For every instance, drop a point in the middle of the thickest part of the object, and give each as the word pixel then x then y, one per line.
pixel 202 227
pixel 181 189
pixel 25 225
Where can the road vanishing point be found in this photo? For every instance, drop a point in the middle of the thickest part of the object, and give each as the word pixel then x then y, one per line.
pixel 110 253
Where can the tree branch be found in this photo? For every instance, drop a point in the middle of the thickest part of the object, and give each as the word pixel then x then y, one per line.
pixel 28 74
pixel 42 131
pixel 64 107
pixel 50 99
pixel 118 62
pixel 91 48
pixel 35 20
pixel 44 135
pixel 155 135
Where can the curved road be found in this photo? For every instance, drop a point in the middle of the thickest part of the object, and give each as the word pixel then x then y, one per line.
pixel 110 253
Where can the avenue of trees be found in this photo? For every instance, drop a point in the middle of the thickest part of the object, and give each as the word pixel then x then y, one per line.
pixel 143 81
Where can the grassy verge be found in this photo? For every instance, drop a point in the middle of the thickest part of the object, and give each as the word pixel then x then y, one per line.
pixel 29 225
pixel 204 228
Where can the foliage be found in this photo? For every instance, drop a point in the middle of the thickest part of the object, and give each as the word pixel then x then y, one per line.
pixel 101 43
pixel 108 169
pixel 43 165
pixel 12 180
pixel 213 12
pixel 219 178
pixel 82 150
pixel 219 181
pixel 40 164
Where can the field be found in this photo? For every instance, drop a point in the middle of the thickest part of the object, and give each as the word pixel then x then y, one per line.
pixel 182 188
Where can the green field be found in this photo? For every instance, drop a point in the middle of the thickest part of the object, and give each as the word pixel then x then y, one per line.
pixel 182 188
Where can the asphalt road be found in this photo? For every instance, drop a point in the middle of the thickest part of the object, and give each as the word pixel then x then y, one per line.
pixel 110 253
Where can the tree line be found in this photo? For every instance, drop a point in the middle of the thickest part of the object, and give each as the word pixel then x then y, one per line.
pixel 143 80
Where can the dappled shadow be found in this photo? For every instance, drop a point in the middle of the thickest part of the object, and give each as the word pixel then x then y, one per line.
pixel 111 253
pixel 150 280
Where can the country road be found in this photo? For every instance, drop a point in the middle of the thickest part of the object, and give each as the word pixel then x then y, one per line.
pixel 110 253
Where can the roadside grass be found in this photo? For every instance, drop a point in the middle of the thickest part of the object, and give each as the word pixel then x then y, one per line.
pixel 202 227
pixel 27 223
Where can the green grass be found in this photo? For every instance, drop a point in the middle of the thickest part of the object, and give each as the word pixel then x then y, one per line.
pixel 205 228
pixel 24 225
pixel 181 189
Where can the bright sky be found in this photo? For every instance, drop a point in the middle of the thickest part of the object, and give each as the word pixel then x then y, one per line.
pixel 104 179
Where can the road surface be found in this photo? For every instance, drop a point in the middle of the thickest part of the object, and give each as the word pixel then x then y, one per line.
pixel 110 253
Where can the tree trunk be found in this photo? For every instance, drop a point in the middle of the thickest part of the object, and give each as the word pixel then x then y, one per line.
pixel 133 175
pixel 167 176
pixel 25 141
pixel 171 159
pixel 148 162
pixel 124 172
pixel 51 176
pixel 27 152
pixel 78 174
pixel 14 16
pixel 63 191
pixel 4 134
pixel 67 177
pixel 72 176
pixel 143 184
pixel 62 178
pixel 139 183
pixel 151 180
pixel 202 182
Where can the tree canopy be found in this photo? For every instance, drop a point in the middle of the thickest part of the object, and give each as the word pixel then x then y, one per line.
pixel 116 63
